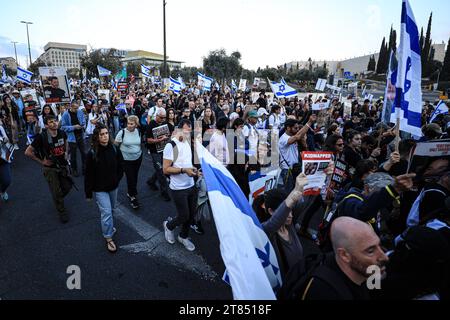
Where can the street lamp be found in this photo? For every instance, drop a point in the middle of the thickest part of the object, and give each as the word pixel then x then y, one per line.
pixel 165 55
pixel 15 50
pixel 28 36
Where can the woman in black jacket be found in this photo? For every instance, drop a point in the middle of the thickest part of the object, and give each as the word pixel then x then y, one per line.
pixel 103 174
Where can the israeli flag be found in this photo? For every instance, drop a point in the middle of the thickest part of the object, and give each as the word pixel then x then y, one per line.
pixel 217 86
pixel 408 97
pixel 204 81
pixel 113 84
pixel 103 72
pixel 389 94
pixel 282 89
pixel 183 85
pixel 146 72
pixel 121 107
pixel 252 266
pixel 175 85
pixel 440 109
pixel 24 75
pixel 233 86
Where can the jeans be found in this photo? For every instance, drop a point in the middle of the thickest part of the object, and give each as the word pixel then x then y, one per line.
pixel 157 159
pixel 52 177
pixel 131 169
pixel 186 204
pixel 107 205
pixel 73 152
pixel 287 180
pixel 5 175
pixel 116 125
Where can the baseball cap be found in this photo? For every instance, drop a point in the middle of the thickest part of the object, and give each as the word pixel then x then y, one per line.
pixel 253 114
pixel 262 111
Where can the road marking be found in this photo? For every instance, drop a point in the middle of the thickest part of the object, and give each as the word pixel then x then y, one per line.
pixel 155 245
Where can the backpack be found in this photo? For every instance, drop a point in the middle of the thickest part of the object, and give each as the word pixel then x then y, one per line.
pixel 300 277
pixel 325 226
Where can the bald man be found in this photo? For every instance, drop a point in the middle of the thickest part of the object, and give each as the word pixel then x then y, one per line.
pixel 344 273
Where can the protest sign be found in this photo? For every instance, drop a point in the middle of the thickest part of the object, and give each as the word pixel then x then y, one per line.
pixel 347 109
pixel 256 82
pixel 103 95
pixel 261 183
pixel 55 85
pixel 321 83
pixel 321 106
pixel 122 87
pixel 159 132
pixel 424 156
pixel 242 84
pixel 339 176
pixel 313 166
pixel 30 92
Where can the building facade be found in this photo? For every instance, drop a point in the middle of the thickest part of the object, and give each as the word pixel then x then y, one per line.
pixel 9 62
pixel 64 55
pixel 150 59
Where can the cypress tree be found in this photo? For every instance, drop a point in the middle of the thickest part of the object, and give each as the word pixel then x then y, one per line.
pixel 381 60
pixel 445 73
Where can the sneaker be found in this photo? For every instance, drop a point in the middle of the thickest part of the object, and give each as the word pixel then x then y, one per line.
pixel 134 203
pixel 5 197
pixel 165 196
pixel 16 147
pixel 152 185
pixel 64 218
pixel 187 243
pixel 168 234
pixel 198 229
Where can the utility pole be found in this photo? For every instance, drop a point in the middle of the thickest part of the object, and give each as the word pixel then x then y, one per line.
pixel 15 50
pixel 165 53
pixel 28 36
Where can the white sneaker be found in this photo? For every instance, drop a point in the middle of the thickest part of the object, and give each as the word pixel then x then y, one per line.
pixel 186 243
pixel 16 147
pixel 168 234
pixel 5 197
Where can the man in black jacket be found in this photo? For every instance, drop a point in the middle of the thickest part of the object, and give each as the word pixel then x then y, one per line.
pixel 344 274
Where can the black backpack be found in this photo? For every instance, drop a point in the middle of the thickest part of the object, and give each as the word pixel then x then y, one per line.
pixel 325 226
pixel 300 277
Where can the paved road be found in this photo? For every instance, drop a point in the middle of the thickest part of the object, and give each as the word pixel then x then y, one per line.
pixel 36 250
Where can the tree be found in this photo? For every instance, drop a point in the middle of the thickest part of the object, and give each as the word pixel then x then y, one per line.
pixel 73 73
pixel 271 73
pixel 325 65
pixel 392 42
pixel 310 65
pixel 108 60
pixel 372 64
pixel 320 72
pixel 427 50
pixel 134 68
pixel 382 61
pixel 221 66
pixel 422 40
pixel 445 73
pixel 189 73
pixel 34 67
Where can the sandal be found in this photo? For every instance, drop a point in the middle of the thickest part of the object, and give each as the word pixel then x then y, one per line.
pixel 111 246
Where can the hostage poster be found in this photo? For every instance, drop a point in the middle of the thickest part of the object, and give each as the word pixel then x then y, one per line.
pixel 313 166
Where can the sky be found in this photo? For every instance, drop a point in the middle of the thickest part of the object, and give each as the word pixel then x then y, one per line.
pixel 265 32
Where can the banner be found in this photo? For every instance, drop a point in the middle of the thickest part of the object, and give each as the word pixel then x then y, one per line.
pixel 261 183
pixel 321 106
pixel 313 166
pixel 104 95
pixel 425 153
pixel 55 85
pixel 243 85
pixel 122 87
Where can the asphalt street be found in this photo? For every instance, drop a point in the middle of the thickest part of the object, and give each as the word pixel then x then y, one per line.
pixel 36 249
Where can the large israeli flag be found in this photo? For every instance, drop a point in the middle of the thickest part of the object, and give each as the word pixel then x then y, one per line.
pixel 440 109
pixel 103 72
pixel 24 75
pixel 252 266
pixel 234 86
pixel 408 98
pixel 146 72
pixel 204 81
pixel 282 89
pixel 175 85
pixel 183 85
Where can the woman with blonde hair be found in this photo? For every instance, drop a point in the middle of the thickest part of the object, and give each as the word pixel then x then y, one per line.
pixel 129 142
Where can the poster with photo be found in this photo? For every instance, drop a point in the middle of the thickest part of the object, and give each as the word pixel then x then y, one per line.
pixel 430 159
pixel 339 176
pixel 159 132
pixel 104 96
pixel 27 93
pixel 55 85
pixel 313 166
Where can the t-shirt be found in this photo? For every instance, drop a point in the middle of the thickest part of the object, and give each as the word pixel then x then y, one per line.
pixel 252 134
pixel 149 134
pixel 288 153
pixel 131 144
pixel 53 150
pixel 218 147
pixel 183 160
pixel 274 121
